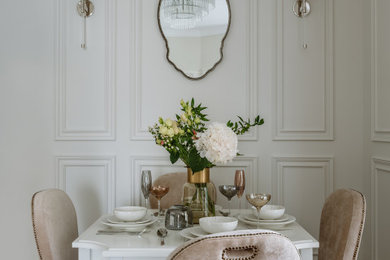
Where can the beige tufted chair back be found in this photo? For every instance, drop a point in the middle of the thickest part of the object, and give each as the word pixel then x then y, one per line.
pixel 175 181
pixel 55 225
pixel 238 245
pixel 342 223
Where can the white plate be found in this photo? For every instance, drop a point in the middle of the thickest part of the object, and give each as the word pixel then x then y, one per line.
pixel 114 220
pixel 129 227
pixel 187 234
pixel 290 220
pixel 197 232
pixel 252 217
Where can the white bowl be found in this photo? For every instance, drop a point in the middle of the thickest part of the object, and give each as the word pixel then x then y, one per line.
pixel 270 211
pixel 218 224
pixel 130 213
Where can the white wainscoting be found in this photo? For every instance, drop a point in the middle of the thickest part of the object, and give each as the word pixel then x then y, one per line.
pixel 304 95
pixel 143 94
pixel 380 77
pixel 222 174
pixel 90 183
pixel 380 215
pixel 302 184
pixel 85 79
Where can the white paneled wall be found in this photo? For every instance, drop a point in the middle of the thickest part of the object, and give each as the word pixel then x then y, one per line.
pixel 90 183
pixel 298 117
pixel 77 119
pixel 380 129
pixel 302 184
pixel 380 181
pixel 85 80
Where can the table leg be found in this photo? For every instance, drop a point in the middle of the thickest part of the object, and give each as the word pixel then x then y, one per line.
pixel 306 254
pixel 84 254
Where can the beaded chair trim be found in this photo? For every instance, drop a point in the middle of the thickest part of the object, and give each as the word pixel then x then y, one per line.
pixel 356 250
pixel 229 236
pixel 33 224
pixel 254 252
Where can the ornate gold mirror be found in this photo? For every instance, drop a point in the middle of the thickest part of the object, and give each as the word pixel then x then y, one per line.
pixel 194 32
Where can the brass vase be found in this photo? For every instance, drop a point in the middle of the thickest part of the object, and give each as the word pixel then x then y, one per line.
pixel 197 193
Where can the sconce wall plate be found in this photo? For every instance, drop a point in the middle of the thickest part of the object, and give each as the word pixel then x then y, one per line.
pixel 85 8
pixel 301 8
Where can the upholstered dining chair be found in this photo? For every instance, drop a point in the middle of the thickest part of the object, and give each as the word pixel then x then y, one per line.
pixel 239 245
pixel 342 223
pixel 175 182
pixel 54 224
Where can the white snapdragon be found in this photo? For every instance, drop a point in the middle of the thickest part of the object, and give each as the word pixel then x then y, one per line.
pixel 218 143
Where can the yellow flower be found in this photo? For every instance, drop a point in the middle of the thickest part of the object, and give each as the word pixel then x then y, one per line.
pixel 170 132
pixel 197 120
pixel 184 117
pixel 163 130
pixel 189 110
pixel 168 122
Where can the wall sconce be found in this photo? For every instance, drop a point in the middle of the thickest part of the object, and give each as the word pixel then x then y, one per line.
pixel 301 9
pixel 85 8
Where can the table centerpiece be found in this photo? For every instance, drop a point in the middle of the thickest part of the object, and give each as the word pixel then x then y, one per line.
pixel 200 147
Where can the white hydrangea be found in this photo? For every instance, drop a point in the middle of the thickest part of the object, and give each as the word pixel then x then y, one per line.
pixel 218 143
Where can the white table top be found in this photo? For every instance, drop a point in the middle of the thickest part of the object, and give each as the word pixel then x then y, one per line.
pixel 148 245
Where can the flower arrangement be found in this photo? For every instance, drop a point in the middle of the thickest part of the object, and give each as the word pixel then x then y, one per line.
pixel 197 145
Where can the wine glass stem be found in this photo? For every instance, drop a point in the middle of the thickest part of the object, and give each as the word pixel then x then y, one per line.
pixel 258 217
pixel 229 206
pixel 239 205
pixel 147 203
pixel 159 207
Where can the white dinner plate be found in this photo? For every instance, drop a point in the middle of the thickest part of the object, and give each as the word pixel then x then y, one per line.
pixel 187 234
pixel 114 220
pixel 290 220
pixel 129 227
pixel 252 217
pixel 197 232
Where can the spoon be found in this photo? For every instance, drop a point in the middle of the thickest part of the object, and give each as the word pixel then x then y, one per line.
pixel 162 233
pixel 225 214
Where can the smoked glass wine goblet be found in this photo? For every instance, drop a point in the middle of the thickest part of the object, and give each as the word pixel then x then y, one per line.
pixel 239 182
pixel 258 200
pixel 229 191
pixel 146 184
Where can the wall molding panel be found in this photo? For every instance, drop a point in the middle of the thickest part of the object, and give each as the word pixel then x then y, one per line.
pixel 107 163
pixel 302 185
pixel 102 123
pixel 139 131
pixel 378 133
pixel 137 163
pixel 280 163
pixel 313 119
pixel 378 165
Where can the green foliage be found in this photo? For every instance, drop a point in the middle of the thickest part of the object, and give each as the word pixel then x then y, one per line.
pixel 242 126
pixel 178 136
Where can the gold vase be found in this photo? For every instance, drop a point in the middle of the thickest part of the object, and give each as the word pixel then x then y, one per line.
pixel 196 194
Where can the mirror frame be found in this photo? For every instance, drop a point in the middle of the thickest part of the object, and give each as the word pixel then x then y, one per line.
pixel 220 49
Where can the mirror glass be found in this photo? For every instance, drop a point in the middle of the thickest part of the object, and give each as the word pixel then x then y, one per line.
pixel 194 32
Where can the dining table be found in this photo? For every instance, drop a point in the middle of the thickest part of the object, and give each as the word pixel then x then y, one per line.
pixel 127 246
